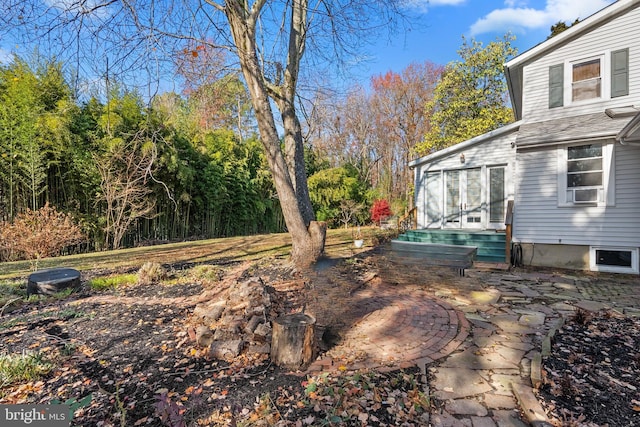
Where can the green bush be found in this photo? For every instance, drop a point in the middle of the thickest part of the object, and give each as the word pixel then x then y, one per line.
pixel 206 273
pixel 112 282
pixel 22 367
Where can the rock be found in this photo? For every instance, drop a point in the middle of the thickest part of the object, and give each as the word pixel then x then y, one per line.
pixel 252 324
pixel 226 349
pixel 258 310
pixel 238 321
pixel 210 312
pixel 204 336
pixel 465 407
pixel 262 332
pixel 259 349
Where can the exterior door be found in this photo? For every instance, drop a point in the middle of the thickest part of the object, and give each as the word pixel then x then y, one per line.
pixel 452 204
pixel 472 200
pixel 463 198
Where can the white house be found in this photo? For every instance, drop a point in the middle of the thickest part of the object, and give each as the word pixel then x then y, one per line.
pixel 570 161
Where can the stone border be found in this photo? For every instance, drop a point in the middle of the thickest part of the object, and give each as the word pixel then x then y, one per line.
pixel 529 405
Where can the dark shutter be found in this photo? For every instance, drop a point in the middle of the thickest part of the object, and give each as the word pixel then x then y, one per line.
pixel 620 73
pixel 556 86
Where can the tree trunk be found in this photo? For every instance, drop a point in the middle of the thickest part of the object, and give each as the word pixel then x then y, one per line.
pixel 305 245
pixel 293 341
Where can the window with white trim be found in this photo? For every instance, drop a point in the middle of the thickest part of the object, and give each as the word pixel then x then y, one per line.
pixel 614 260
pixel 599 77
pixel 586 80
pixel 585 174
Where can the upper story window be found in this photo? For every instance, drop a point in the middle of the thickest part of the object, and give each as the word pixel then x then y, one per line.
pixel 586 80
pixel 600 77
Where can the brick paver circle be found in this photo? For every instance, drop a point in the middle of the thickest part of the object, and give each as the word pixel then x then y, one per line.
pixel 403 326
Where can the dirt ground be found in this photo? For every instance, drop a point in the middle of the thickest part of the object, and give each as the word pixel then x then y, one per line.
pixel 125 357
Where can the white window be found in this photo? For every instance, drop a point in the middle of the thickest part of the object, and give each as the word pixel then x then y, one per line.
pixel 614 260
pixel 585 175
pixel 586 80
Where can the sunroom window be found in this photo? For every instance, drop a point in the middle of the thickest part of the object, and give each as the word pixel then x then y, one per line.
pixel 584 173
pixel 586 80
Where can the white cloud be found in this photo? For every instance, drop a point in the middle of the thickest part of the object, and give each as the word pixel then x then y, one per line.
pixel 515 3
pixel 89 8
pixel 424 5
pixel 5 56
pixel 445 2
pixel 516 19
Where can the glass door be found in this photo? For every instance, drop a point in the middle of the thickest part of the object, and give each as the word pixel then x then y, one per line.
pixel 472 200
pixel 452 205
pixel 463 198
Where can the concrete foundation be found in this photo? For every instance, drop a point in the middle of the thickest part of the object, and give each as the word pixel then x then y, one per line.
pixel 574 257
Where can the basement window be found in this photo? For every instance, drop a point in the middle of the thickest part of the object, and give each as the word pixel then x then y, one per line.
pixel 614 260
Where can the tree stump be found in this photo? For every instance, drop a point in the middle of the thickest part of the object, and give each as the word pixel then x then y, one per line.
pixel 293 341
pixel 52 280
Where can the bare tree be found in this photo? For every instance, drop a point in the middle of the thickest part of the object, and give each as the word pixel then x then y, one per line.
pixel 269 39
pixel 125 172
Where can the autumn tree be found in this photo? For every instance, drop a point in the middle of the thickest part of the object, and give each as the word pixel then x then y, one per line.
pixel 268 38
pixel 472 97
pixel 217 97
pixel 398 102
pixel 376 130
pixel 341 130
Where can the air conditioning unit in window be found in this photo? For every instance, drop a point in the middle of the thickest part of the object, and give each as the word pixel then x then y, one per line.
pixel 587 195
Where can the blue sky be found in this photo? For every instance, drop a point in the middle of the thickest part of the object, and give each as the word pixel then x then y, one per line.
pixel 443 23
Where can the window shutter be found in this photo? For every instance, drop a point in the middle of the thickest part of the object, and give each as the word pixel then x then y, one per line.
pixel 620 73
pixel 556 86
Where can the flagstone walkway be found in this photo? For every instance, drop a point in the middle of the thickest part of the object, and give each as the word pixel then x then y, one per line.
pixel 476 337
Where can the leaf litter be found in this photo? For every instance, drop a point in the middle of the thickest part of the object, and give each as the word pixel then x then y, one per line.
pixel 592 377
pixel 119 363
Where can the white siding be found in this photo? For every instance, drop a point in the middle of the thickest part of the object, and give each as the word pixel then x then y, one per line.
pixel 538 219
pixel 620 33
pixel 498 151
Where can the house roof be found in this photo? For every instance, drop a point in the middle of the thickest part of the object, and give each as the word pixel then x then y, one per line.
pixel 587 127
pixel 465 144
pixel 514 68
pixel 630 134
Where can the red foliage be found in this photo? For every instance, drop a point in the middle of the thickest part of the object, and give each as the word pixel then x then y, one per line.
pixel 380 210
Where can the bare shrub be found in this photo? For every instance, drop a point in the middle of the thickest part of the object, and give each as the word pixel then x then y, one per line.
pixel 39 234
pixel 151 272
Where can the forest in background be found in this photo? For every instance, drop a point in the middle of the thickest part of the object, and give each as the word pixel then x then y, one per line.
pixel 190 165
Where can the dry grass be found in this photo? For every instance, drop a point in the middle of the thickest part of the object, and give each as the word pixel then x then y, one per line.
pixel 339 244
